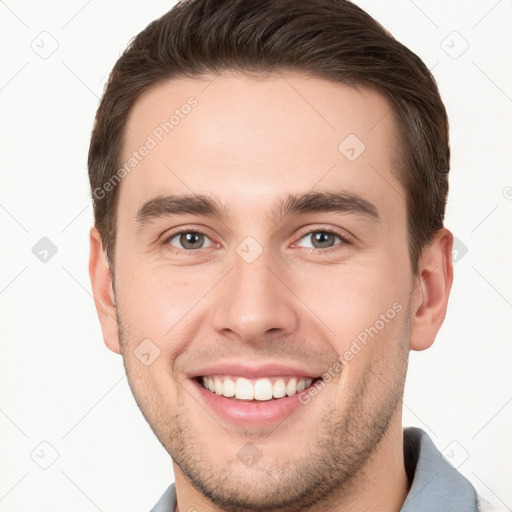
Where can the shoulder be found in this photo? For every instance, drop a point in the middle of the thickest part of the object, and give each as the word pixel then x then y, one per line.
pixel 167 502
pixel 435 483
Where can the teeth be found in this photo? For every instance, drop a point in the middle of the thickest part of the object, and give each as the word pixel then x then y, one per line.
pixel 279 388
pixel 228 388
pixel 263 389
pixel 217 383
pixel 291 387
pixel 244 389
pixel 260 389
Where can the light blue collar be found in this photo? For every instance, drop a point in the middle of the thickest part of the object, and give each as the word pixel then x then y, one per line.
pixel 436 485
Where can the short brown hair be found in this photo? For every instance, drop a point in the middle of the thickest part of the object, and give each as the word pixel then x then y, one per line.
pixel 331 39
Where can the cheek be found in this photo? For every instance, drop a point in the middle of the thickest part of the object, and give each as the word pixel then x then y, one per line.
pixel 155 298
pixel 146 356
pixel 356 306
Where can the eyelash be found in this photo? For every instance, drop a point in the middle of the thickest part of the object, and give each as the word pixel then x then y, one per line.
pixel 344 237
pixel 182 231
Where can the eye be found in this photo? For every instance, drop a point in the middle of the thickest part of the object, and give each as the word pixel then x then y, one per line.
pixel 189 240
pixel 321 239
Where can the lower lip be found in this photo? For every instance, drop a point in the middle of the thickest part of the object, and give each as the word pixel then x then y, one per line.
pixel 244 412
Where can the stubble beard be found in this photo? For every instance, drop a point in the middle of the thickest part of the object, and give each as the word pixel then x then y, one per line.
pixel 345 441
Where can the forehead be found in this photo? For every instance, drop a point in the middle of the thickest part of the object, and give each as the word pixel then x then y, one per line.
pixel 248 139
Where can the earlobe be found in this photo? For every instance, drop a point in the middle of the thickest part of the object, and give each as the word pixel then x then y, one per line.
pixel 430 297
pixel 103 292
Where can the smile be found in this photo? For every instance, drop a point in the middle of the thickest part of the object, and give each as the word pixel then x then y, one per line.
pixel 261 389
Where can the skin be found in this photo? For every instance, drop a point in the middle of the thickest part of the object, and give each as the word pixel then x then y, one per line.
pixel 248 142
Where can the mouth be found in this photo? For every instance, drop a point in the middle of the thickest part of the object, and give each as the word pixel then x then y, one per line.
pixel 258 397
pixel 255 389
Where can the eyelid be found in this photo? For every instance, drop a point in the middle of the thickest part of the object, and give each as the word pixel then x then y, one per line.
pixel 169 235
pixel 345 236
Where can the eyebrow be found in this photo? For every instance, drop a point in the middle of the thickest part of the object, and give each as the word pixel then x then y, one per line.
pixel 309 202
pixel 339 202
pixel 195 204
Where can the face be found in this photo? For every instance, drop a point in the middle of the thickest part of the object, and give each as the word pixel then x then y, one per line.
pixel 285 266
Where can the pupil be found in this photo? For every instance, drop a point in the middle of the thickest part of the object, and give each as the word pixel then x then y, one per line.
pixel 322 239
pixel 188 240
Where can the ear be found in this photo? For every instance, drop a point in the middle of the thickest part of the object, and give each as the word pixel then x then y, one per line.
pixel 432 289
pixel 103 291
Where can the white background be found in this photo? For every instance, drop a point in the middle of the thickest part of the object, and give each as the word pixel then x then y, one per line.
pixel 60 384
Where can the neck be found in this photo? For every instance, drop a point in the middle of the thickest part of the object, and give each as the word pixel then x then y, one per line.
pixel 381 485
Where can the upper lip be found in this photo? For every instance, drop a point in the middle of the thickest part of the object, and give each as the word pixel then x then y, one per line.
pixel 252 371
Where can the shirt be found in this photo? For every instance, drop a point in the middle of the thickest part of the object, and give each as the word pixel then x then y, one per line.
pixel 435 484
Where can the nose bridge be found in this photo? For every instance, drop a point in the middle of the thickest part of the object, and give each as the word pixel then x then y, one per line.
pixel 253 300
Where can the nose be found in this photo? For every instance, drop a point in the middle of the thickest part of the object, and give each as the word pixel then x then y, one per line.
pixel 254 301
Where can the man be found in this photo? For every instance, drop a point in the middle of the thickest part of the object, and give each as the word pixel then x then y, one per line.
pixel 269 183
